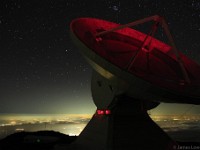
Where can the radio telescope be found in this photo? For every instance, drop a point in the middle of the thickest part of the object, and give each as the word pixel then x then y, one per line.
pixel 133 72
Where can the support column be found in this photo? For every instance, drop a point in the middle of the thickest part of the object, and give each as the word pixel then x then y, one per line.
pixel 127 127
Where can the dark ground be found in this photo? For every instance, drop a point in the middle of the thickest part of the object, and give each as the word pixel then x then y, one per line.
pixel 46 140
pixel 41 140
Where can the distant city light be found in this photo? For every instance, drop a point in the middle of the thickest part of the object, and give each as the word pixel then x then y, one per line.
pixel 19 129
pixel 13 122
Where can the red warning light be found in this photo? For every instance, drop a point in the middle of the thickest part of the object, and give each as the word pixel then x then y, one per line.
pixel 108 112
pixel 103 112
pixel 100 112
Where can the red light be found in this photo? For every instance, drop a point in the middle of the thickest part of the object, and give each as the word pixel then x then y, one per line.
pixel 100 112
pixel 108 112
pixel 103 112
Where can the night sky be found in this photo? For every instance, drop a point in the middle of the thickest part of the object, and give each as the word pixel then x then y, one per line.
pixel 42 71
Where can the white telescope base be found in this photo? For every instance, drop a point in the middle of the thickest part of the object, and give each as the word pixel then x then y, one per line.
pixel 127 127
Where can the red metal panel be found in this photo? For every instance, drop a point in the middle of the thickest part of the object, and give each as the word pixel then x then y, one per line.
pixel 157 64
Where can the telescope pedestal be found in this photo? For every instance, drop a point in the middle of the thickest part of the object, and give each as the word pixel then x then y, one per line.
pixel 127 127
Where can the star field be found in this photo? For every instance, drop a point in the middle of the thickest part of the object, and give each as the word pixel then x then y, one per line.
pixel 41 71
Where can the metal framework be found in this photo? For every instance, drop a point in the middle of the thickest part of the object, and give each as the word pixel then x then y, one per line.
pixel 158 21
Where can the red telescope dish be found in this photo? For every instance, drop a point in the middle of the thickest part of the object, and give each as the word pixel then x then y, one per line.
pixel 138 54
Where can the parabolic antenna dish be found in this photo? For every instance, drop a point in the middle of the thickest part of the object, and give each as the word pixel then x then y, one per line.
pixel 147 67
